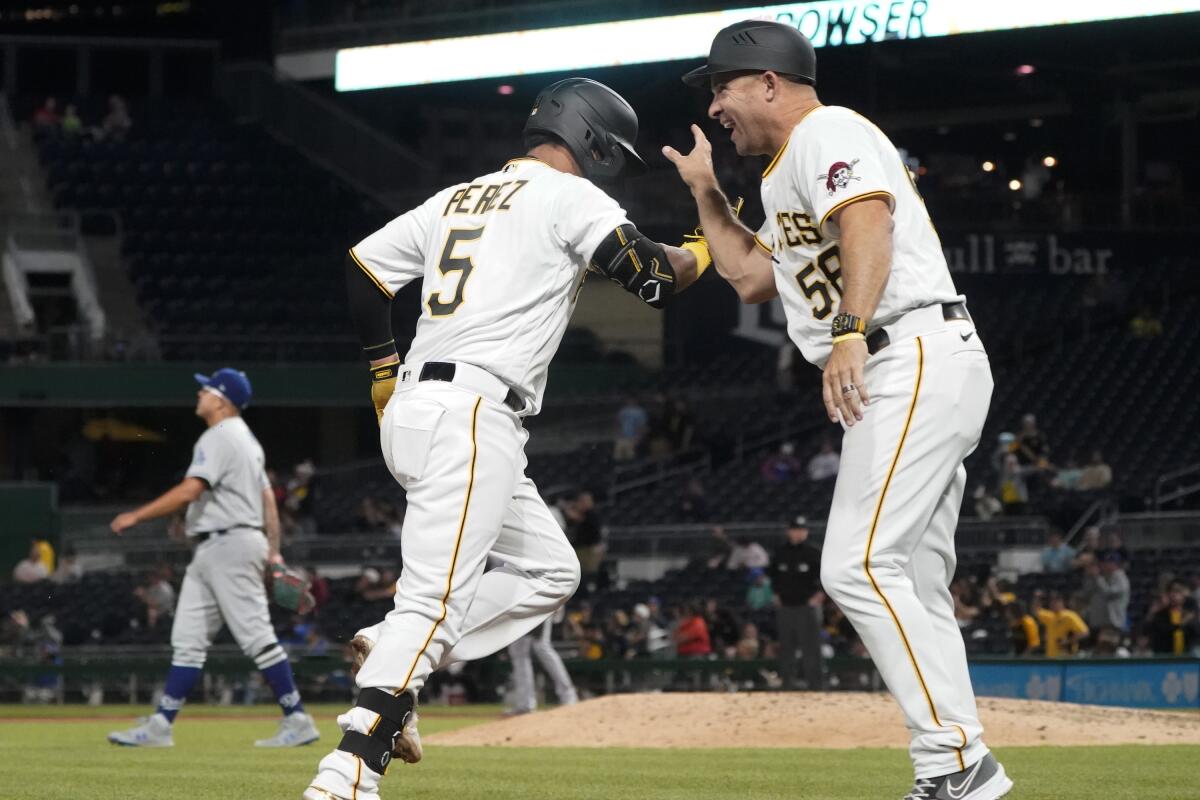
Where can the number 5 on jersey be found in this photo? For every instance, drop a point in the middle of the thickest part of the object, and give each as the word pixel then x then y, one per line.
pixel 448 265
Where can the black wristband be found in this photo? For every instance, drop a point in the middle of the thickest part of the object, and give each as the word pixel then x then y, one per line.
pixel 385 372
pixel 846 323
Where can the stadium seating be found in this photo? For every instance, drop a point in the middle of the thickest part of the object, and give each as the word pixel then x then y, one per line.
pixel 232 240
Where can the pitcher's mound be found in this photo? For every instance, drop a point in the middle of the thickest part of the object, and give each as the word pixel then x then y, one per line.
pixel 838 720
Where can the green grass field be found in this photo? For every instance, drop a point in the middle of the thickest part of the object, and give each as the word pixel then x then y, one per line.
pixel 61 754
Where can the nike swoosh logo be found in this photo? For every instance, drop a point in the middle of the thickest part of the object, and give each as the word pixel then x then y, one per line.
pixel 957 792
pixel 967 335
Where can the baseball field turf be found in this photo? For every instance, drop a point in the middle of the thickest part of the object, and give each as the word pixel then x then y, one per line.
pixel 52 753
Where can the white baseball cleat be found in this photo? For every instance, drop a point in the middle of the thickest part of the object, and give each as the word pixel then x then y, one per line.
pixel 153 731
pixel 295 730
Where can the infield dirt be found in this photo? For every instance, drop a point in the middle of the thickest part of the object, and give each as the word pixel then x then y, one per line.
pixel 824 720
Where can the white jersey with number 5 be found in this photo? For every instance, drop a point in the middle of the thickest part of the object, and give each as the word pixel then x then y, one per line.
pixel 835 156
pixel 503 258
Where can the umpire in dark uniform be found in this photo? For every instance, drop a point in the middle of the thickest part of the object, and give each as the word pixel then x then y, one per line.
pixel 796 578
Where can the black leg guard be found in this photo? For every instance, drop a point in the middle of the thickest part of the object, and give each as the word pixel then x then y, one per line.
pixel 375 748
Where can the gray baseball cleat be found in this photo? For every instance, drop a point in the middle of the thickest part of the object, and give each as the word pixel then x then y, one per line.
pixel 984 780
pixel 295 730
pixel 153 731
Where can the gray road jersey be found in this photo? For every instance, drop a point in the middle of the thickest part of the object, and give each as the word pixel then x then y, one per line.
pixel 230 460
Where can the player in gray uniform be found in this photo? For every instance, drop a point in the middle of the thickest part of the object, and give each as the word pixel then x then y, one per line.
pixel 229 506
pixel 521 652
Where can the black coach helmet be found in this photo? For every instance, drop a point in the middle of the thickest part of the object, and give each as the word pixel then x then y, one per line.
pixel 758 45
pixel 593 121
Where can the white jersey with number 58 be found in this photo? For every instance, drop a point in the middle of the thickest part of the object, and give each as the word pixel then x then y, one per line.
pixel 503 258
pixel 833 157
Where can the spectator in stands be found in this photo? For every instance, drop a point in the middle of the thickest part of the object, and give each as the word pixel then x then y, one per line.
pixel 693 504
pixel 72 125
pixel 1108 644
pixel 117 122
pixel 824 464
pixel 966 601
pixel 782 466
pixel 1145 324
pixel 319 586
pixel 1032 448
pixel 586 535
pixel 1064 629
pixel 796 579
pixel 1057 555
pixel 156 595
pixel 31 569
pixel 1014 491
pixel 1026 636
pixel 46 120
pixel 1067 478
pixel 722 624
pixel 374 584
pixel 1171 623
pixel 679 425
pixel 632 423
pixel 368 517
pixel 987 505
pixel 1114 546
pixel 760 595
pixel 691 633
pixel 719 548
pixel 748 646
pixel 299 496
pixel 1096 475
pixel 1106 592
pixel 69 570
pixel 649 636
pixel 1089 550
pixel 747 554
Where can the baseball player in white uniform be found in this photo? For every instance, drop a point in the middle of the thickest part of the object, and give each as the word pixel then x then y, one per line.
pixel 503 258
pixel 849 248
pixel 229 507
pixel 521 652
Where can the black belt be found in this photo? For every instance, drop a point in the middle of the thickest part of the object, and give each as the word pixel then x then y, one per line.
pixel 879 339
pixel 204 536
pixel 444 371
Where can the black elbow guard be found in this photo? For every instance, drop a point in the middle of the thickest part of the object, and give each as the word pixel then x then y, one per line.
pixel 637 264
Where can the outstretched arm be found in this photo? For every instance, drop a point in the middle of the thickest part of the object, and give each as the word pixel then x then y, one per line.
pixel 170 501
pixel 738 258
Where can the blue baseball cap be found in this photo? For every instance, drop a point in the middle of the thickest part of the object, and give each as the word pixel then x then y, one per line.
pixel 232 384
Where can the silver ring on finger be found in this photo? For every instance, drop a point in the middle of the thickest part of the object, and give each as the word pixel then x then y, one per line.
pixel 848 388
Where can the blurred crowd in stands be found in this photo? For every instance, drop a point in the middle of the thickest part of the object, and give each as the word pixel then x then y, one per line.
pixel 49 122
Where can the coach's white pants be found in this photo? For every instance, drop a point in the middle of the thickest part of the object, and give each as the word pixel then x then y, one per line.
pixel 888 556
pixel 521 653
pixel 461 459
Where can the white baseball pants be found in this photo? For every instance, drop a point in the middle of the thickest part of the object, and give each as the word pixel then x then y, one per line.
pixel 888 557
pixel 460 457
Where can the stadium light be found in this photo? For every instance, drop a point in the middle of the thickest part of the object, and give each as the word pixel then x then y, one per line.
pixel 1026 69
pixel 1050 161
pixel 685 36
pixel 988 166
pixel 1014 184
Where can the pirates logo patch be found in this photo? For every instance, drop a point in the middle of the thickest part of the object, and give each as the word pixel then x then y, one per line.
pixel 839 176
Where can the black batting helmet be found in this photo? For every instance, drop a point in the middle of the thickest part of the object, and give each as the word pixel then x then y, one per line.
pixel 757 45
pixel 593 121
